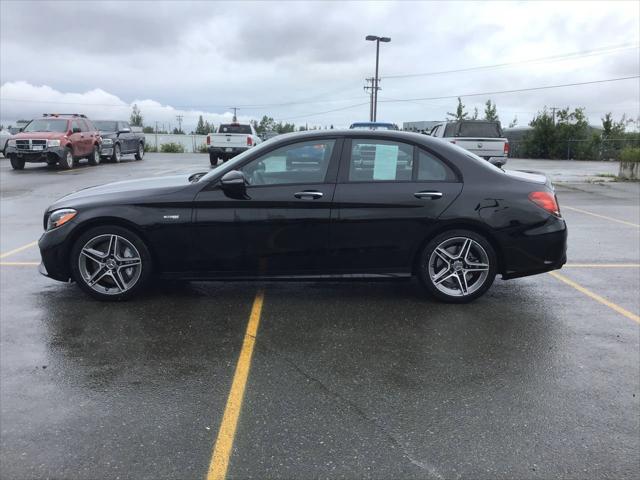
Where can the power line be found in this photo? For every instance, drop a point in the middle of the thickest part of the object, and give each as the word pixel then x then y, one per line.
pixel 512 91
pixel 583 53
pixel 326 111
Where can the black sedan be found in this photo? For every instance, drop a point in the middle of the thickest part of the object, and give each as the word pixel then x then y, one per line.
pixel 370 203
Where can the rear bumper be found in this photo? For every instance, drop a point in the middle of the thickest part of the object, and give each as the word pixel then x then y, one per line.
pixel 227 151
pixel 537 250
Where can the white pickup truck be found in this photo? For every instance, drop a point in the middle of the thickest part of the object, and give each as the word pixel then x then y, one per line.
pixel 230 140
pixel 482 137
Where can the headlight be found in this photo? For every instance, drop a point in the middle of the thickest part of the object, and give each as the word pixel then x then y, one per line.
pixel 11 143
pixel 60 217
pixel 53 143
pixel 107 141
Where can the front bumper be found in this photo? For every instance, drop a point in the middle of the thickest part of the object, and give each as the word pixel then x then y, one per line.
pixel 54 251
pixel 40 156
pixel 106 151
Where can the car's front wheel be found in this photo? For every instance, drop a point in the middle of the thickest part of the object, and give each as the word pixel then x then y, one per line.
pixel 66 161
pixel 140 153
pixel 16 163
pixel 457 266
pixel 110 263
pixel 94 158
pixel 116 156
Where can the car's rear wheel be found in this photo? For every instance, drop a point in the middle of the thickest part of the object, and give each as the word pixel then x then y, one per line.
pixel 213 159
pixel 16 163
pixel 94 158
pixel 457 266
pixel 110 263
pixel 116 156
pixel 140 152
pixel 66 161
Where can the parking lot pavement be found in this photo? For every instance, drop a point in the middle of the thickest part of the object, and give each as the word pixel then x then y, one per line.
pixel 537 379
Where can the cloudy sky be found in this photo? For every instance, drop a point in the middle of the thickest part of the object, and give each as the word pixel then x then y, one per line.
pixel 305 62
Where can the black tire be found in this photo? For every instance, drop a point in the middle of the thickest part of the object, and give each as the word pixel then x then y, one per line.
pixel 116 156
pixel 66 161
pixel 146 263
pixel 213 159
pixel 16 163
pixel 476 270
pixel 140 153
pixel 94 157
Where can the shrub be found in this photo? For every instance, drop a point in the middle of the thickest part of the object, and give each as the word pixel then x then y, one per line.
pixel 203 148
pixel 630 154
pixel 150 148
pixel 172 148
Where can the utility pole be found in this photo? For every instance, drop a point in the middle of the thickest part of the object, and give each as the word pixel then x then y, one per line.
pixel 235 111
pixel 553 114
pixel 370 88
pixel 156 135
pixel 179 118
pixel 376 79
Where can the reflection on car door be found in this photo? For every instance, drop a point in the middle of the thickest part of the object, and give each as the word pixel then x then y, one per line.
pixel 281 225
pixel 389 195
pixel 78 143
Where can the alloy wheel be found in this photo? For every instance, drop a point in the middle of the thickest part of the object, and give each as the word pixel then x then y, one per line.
pixel 110 264
pixel 458 266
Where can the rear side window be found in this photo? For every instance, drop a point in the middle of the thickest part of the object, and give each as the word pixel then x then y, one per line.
pixel 479 129
pixel 450 130
pixel 76 124
pixel 231 128
pixel 432 169
pixel 379 161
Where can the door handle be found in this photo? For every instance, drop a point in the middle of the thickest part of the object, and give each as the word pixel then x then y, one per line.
pixel 311 194
pixel 432 195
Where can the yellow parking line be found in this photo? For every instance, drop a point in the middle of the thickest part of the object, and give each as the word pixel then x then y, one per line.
pixel 19 264
pixel 601 265
pixel 19 249
pixel 596 297
pixel 224 442
pixel 600 216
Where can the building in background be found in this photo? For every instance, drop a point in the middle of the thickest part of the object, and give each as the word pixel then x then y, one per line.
pixel 420 126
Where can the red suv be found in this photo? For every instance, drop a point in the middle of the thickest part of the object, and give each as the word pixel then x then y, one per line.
pixel 55 138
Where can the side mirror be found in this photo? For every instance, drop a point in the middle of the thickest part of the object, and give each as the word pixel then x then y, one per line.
pixel 20 129
pixel 234 179
pixel 76 130
pixel 498 161
pixel 124 130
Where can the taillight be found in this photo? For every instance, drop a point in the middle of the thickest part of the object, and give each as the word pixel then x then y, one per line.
pixel 208 139
pixel 249 141
pixel 547 201
pixel 506 148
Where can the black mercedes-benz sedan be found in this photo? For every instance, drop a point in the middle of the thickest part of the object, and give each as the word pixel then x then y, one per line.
pixel 365 202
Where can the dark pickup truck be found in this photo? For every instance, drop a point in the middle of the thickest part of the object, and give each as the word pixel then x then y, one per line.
pixel 119 139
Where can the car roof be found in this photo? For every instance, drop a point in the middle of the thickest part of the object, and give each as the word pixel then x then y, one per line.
pixel 399 135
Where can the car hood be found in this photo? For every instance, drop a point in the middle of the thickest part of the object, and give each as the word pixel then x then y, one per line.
pixel 108 134
pixel 38 135
pixel 125 190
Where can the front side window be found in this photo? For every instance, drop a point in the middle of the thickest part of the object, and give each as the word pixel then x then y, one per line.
pixel 432 169
pixel 380 160
pixel 305 162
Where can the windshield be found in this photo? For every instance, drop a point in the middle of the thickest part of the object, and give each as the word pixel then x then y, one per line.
pixel 479 129
pixel 46 125
pixel 106 126
pixel 233 128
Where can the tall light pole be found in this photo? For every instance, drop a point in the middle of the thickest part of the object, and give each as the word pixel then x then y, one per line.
pixel 375 38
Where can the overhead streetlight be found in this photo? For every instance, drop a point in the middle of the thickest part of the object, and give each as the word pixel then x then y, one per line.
pixel 375 38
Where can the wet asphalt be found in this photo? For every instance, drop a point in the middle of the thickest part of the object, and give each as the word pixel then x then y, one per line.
pixel 348 380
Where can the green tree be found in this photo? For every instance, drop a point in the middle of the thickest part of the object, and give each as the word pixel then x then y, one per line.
pixel 201 127
pixel 148 129
pixel 514 122
pixel 460 114
pixel 136 116
pixel 178 131
pixel 475 113
pixel 491 111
